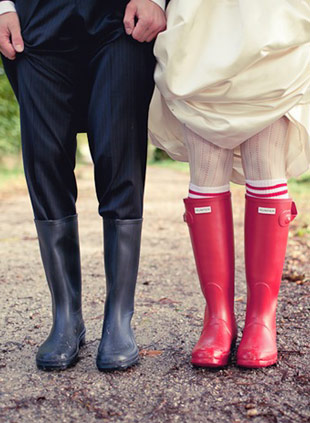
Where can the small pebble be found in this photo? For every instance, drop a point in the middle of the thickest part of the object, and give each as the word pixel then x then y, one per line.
pixel 252 412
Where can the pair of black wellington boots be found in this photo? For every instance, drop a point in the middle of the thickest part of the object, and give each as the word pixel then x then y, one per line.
pixel 59 245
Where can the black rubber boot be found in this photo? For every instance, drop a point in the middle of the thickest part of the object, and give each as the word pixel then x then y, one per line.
pixel 118 349
pixel 60 252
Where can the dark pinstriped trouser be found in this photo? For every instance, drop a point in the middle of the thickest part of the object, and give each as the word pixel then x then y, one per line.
pixel 78 65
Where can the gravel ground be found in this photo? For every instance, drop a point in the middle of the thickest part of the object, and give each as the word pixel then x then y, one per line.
pixel 169 307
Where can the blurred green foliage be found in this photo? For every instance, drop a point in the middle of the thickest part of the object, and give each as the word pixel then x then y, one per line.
pixel 9 118
pixel 160 155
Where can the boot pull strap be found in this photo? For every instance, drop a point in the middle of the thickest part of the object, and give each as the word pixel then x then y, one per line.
pixel 294 211
pixel 287 216
pixel 188 218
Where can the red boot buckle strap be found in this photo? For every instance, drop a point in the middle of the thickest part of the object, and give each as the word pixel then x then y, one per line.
pixel 188 218
pixel 294 211
pixel 287 216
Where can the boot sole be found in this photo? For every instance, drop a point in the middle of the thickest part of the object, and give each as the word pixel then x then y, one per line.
pixel 63 365
pixel 123 365
pixel 256 364
pixel 216 362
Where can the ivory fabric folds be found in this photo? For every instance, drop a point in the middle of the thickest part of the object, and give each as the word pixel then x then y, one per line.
pixel 227 69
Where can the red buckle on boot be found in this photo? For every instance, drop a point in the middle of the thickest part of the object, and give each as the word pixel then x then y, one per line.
pixel 287 216
pixel 188 218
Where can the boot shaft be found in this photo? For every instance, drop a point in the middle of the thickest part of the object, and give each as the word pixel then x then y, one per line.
pixel 60 252
pixel 122 239
pixel 210 225
pixel 266 234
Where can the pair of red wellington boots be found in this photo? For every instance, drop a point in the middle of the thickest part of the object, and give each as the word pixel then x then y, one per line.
pixel 210 225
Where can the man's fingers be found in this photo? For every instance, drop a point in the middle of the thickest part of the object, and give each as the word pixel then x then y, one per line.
pixel 151 36
pixel 129 18
pixel 6 47
pixel 8 51
pixel 10 35
pixel 157 29
pixel 17 40
pixel 151 20
pixel 147 30
pixel 142 30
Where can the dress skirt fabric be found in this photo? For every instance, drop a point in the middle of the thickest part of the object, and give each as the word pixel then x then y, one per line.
pixel 227 69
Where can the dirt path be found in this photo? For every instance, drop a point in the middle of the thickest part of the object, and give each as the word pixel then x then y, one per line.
pixel 167 322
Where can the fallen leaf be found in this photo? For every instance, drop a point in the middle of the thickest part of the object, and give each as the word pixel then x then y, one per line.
pixel 166 300
pixel 150 353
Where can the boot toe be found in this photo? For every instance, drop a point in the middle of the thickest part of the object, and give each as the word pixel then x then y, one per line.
pixel 210 357
pixel 55 354
pixel 55 361
pixel 255 358
pixel 120 360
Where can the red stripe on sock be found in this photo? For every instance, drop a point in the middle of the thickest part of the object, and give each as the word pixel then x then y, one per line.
pixel 207 194
pixel 264 188
pixel 275 194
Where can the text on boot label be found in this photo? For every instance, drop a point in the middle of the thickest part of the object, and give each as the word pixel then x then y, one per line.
pixel 266 210
pixel 203 210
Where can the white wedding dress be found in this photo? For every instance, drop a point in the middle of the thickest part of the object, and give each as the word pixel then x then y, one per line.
pixel 229 68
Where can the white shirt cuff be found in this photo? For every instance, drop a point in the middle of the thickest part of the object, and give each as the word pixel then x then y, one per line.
pixel 7 6
pixel 161 3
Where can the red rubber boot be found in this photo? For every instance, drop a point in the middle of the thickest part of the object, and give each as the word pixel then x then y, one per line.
pixel 266 233
pixel 211 230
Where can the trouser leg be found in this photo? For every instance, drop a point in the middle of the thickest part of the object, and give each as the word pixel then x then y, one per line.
pixel 121 75
pixel 122 84
pixel 46 99
pixel 45 81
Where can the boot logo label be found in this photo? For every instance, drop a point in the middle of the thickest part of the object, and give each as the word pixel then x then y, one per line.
pixel 266 210
pixel 203 210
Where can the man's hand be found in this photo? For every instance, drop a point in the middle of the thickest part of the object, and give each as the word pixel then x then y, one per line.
pixel 144 20
pixel 11 41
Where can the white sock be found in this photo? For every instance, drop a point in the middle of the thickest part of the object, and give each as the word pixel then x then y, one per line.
pixel 210 165
pixel 267 189
pixel 263 155
pixel 206 192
